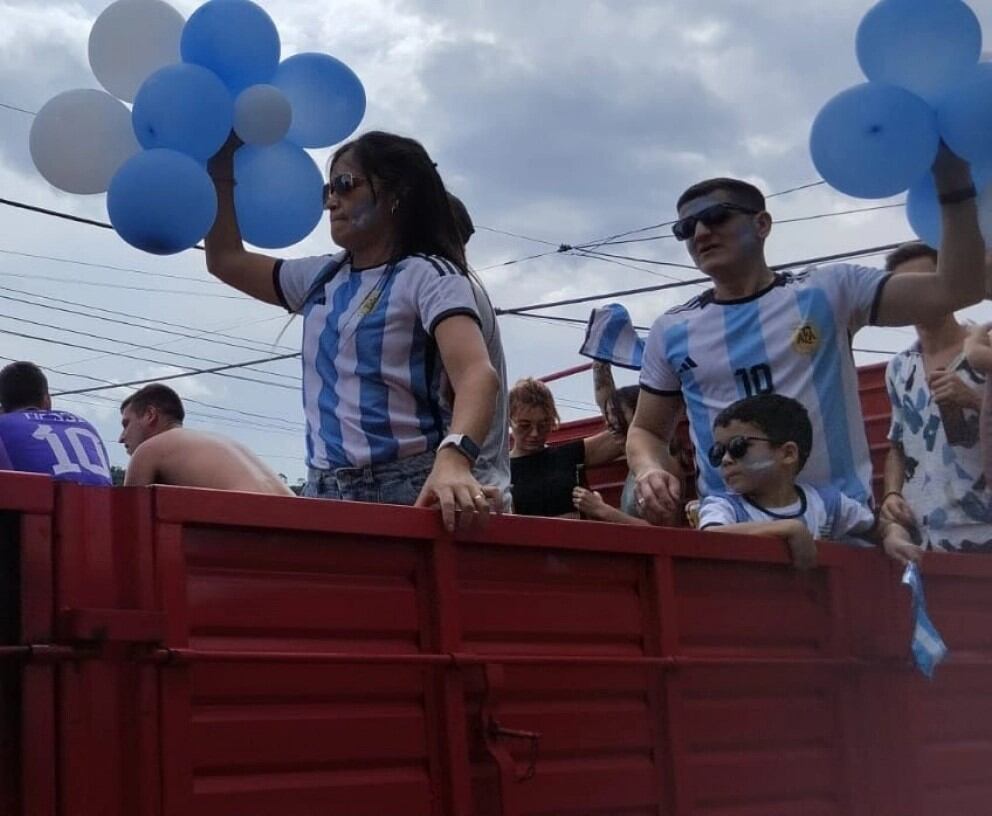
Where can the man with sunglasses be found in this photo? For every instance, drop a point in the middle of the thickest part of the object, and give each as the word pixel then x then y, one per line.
pixel 760 332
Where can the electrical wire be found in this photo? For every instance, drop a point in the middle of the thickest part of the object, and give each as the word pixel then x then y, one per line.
pixel 133 346
pixel 579 322
pixel 198 358
pixel 131 270
pixel 213 333
pixel 665 286
pixel 190 372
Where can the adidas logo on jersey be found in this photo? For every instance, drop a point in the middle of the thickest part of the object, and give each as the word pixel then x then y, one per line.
pixel 687 365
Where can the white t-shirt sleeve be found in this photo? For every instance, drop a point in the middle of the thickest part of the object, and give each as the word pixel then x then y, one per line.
pixel 852 519
pixel 715 511
pixel 293 278
pixel 855 291
pixel 657 374
pixel 440 291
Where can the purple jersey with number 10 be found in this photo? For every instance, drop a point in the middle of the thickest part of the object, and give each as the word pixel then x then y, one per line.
pixel 56 443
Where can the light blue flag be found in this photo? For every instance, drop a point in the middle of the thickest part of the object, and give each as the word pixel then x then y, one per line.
pixel 928 646
pixel 611 338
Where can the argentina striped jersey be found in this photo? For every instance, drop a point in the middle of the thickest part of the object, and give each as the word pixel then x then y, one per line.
pixel 792 338
pixel 371 368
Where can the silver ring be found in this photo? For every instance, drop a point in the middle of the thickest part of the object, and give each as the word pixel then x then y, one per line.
pixel 478 496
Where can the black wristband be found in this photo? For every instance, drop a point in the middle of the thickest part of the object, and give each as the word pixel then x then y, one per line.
pixel 891 493
pixel 957 196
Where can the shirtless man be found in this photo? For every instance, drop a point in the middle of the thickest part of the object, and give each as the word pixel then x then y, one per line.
pixel 164 452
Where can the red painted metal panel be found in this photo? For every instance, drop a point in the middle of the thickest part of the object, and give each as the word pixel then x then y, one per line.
pixel 345 659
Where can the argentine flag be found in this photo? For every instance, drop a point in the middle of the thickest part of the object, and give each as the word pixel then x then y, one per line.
pixel 611 338
pixel 928 646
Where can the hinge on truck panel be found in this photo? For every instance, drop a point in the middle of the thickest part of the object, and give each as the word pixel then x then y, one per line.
pixel 111 625
pixel 493 733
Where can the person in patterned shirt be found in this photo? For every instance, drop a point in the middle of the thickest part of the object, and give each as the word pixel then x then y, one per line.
pixel 934 483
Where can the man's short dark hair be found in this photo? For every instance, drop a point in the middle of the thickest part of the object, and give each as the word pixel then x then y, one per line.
pixel 782 419
pixel 743 193
pixel 909 252
pixel 161 397
pixel 22 385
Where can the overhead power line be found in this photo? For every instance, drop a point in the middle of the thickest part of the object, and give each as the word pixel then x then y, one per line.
pixel 19 110
pixel 121 286
pixel 577 321
pixel 20 205
pixel 131 270
pixel 117 340
pixel 193 373
pixel 189 372
pixel 199 332
pixel 196 357
pixel 662 287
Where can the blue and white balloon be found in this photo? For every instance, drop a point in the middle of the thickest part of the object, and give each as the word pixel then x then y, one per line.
pixel 185 108
pixel 874 140
pixel 327 97
pixel 924 46
pixel 80 138
pixel 162 201
pixel 279 194
pixel 262 115
pixel 130 40
pixel 235 39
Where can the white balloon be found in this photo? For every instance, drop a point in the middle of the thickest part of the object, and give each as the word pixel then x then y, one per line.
pixel 80 138
pixel 132 39
pixel 262 115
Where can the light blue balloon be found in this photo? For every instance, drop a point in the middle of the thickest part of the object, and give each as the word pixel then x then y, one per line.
pixel 235 39
pixel 279 194
pixel 327 97
pixel 162 201
pixel 924 46
pixel 964 115
pixel 185 108
pixel 874 140
pixel 923 207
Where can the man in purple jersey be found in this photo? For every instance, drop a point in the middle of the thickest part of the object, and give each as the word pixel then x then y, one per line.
pixel 36 439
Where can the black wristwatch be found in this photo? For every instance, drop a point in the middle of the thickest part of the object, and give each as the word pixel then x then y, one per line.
pixel 463 444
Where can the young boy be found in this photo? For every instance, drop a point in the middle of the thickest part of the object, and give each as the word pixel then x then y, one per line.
pixel 761 444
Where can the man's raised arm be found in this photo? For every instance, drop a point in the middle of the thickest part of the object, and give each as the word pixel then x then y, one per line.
pixel 960 277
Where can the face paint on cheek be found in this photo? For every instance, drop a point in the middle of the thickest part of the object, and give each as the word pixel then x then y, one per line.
pixel 362 217
pixel 757 466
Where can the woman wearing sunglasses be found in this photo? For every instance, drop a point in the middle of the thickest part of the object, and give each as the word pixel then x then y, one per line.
pixel 389 325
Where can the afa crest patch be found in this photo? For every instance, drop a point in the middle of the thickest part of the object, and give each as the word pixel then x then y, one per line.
pixel 806 338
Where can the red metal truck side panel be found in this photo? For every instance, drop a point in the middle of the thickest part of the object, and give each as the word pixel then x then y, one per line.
pixel 240 656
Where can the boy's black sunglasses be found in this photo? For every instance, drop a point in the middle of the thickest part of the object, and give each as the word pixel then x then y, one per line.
pixel 737 447
pixel 712 216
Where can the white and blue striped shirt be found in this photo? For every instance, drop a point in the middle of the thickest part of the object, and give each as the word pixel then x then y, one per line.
pixel 792 338
pixel 371 368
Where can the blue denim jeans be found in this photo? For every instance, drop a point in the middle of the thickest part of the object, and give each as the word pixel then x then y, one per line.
pixel 396 482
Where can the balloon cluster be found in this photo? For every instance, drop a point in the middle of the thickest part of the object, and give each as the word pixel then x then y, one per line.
pixel 925 84
pixel 191 82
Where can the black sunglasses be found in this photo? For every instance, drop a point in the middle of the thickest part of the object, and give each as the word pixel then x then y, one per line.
pixel 737 447
pixel 712 216
pixel 341 184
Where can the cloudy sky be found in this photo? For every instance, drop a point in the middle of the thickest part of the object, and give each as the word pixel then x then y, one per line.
pixel 560 121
